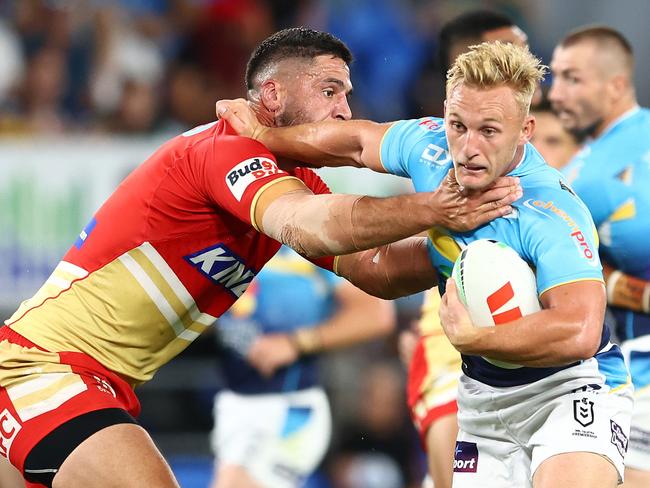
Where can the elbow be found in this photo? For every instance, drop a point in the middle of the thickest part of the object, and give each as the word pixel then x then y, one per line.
pixel 587 342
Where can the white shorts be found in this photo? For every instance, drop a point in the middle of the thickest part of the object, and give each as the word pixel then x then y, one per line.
pixel 278 438
pixel 638 453
pixel 506 433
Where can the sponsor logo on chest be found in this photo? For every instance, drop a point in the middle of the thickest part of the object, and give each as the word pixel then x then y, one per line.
pixel 247 172
pixel 223 267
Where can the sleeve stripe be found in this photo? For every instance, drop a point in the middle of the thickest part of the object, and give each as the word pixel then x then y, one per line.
pixel 600 280
pixel 259 193
pixel 381 145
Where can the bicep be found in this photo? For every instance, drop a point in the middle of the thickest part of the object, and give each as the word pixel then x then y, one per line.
pixel 370 141
pixel 583 301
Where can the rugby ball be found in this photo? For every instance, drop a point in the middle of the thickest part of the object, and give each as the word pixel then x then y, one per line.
pixel 495 285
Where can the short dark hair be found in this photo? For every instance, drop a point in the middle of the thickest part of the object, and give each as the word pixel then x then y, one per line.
pixel 468 28
pixel 605 38
pixel 296 42
pixel 597 33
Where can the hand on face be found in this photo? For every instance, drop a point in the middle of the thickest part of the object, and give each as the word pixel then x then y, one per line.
pixel 455 319
pixel 241 116
pixel 462 210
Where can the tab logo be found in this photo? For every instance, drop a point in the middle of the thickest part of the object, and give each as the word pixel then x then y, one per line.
pixel 220 265
pixel 247 172
pixel 465 457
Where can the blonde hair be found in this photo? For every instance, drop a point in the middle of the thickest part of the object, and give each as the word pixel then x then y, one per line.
pixel 493 64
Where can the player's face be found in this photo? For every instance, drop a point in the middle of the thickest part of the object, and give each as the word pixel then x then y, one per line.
pixel 554 143
pixel 579 90
pixel 319 92
pixel 486 130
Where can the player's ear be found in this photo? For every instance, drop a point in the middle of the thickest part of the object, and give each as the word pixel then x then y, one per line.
pixel 527 130
pixel 271 95
pixel 618 86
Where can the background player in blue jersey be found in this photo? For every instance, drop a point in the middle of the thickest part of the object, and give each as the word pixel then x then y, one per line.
pixel 270 337
pixel 593 93
pixel 570 375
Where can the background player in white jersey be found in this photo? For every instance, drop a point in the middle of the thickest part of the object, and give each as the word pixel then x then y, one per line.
pixel 593 93
pixel 564 351
pixel 271 339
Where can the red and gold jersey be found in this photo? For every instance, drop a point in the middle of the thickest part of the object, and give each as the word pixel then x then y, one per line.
pixel 167 253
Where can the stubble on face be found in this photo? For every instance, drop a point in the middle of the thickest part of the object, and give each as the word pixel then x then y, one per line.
pixel 580 107
pixel 483 127
pixel 304 82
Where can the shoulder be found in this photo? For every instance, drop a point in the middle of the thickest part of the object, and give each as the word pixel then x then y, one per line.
pixel 552 206
pixel 426 127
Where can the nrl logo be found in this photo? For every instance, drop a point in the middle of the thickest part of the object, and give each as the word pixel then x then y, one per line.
pixel 583 411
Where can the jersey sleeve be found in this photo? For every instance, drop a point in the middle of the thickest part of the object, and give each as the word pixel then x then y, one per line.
pixel 233 172
pixel 560 239
pixel 410 142
pixel 312 180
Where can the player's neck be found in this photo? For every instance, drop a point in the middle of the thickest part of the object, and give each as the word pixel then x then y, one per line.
pixel 618 110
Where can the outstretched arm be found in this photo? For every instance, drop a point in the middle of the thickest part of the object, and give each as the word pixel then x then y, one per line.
pixel 359 317
pixel 331 142
pixel 322 225
pixel 391 271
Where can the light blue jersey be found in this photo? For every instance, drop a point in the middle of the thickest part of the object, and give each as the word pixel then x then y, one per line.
pixel 612 176
pixel 289 293
pixel 550 228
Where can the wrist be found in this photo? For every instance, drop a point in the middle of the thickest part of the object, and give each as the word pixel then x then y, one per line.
pixel 307 340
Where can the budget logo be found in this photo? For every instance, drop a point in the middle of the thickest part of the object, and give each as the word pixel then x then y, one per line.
pixel 465 457
pixel 9 428
pixel 223 267
pixel 247 172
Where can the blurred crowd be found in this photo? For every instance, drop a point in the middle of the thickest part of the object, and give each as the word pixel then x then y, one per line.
pixel 150 66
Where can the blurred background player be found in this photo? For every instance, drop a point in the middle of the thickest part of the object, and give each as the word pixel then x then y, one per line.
pixel 593 93
pixel 556 144
pixel 271 340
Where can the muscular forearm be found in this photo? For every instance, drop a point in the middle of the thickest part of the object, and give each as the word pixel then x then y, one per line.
pixel 359 319
pixel 392 271
pixel 543 339
pixel 329 143
pixel 321 225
